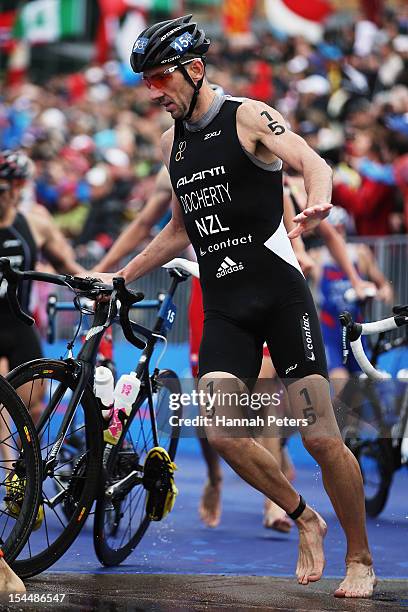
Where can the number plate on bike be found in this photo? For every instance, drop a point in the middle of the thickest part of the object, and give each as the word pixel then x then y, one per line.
pixel 168 312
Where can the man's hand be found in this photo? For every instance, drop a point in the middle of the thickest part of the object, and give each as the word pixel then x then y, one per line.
pixel 105 277
pixel 309 219
pixel 385 293
pixel 361 286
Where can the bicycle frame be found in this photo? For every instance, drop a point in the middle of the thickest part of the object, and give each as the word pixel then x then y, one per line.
pixel 85 364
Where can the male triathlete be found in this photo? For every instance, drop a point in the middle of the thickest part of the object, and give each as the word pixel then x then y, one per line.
pixel 136 232
pixel 22 237
pixel 224 157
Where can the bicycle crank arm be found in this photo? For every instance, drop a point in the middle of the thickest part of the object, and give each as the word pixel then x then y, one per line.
pixel 125 485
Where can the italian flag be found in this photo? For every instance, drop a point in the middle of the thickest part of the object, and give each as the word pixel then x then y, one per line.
pixel 299 17
pixel 46 21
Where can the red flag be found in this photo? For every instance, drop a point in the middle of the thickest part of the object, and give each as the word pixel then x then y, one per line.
pixel 6 30
pixel 299 17
pixel 313 10
pixel 113 8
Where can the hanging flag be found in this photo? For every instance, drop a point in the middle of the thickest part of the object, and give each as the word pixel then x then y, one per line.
pixel 118 17
pixel 237 16
pixel 132 26
pixel 46 21
pixel 299 17
pixel 119 7
pixel 7 20
pixel 113 8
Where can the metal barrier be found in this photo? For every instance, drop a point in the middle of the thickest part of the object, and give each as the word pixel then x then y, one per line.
pixel 391 254
pixel 151 285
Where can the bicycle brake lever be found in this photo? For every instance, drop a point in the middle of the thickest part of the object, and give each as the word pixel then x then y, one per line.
pixel 12 278
pixel 127 298
pixel 400 310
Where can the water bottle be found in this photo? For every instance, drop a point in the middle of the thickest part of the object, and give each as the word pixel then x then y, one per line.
pixel 103 389
pixel 126 389
pixel 124 395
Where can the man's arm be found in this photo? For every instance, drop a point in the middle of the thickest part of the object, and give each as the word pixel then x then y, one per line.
pixel 370 268
pixel 165 246
pixel 337 247
pixel 54 245
pixel 139 229
pixel 262 131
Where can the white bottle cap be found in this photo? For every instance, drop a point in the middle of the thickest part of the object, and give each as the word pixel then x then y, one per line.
pixel 103 385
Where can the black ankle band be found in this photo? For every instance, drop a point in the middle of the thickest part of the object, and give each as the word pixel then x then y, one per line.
pixel 302 505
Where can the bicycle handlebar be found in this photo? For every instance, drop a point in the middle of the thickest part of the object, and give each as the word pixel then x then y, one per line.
pixel 353 332
pixel 89 287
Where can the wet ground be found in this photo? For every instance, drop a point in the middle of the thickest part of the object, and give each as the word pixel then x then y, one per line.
pixel 113 592
pixel 181 565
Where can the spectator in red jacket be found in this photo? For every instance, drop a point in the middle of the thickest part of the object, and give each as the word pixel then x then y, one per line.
pixel 371 202
pixel 370 205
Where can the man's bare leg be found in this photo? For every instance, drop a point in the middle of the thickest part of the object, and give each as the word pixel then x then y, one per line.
pixel 9 581
pixel 257 466
pixel 341 477
pixel 210 503
pixel 274 517
pixel 32 394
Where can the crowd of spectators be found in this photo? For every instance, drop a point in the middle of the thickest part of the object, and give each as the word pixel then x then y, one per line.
pixel 94 136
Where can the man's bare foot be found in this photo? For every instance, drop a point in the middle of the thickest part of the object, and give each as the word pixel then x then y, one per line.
pixel 9 581
pixel 210 504
pixel 312 531
pixel 275 517
pixel 360 581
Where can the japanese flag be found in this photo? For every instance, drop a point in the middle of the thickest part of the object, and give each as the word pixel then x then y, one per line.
pixel 299 17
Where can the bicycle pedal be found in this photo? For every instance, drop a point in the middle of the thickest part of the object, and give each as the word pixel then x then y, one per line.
pixel 158 480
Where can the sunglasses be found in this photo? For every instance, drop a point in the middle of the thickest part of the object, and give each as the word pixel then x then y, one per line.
pixel 160 79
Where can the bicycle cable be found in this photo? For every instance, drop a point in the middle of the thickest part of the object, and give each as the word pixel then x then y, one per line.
pixel 71 344
pixel 165 342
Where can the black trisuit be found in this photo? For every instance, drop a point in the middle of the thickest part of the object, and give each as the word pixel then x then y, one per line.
pixel 253 287
pixel 18 342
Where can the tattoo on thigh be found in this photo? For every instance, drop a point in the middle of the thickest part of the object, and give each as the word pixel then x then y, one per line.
pixel 308 412
pixel 210 408
pixel 273 125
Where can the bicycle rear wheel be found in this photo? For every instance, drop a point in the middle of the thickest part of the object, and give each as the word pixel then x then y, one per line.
pixel 68 492
pixel 376 464
pixel 20 468
pixel 121 522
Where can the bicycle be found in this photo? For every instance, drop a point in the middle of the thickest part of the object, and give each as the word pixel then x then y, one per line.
pixel 381 457
pixel 111 475
pixel 20 463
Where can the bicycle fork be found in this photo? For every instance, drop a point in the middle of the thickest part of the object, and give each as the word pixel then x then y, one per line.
pixel 69 415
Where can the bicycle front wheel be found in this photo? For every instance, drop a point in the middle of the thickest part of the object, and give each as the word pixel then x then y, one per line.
pixel 69 487
pixel 20 469
pixel 121 522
